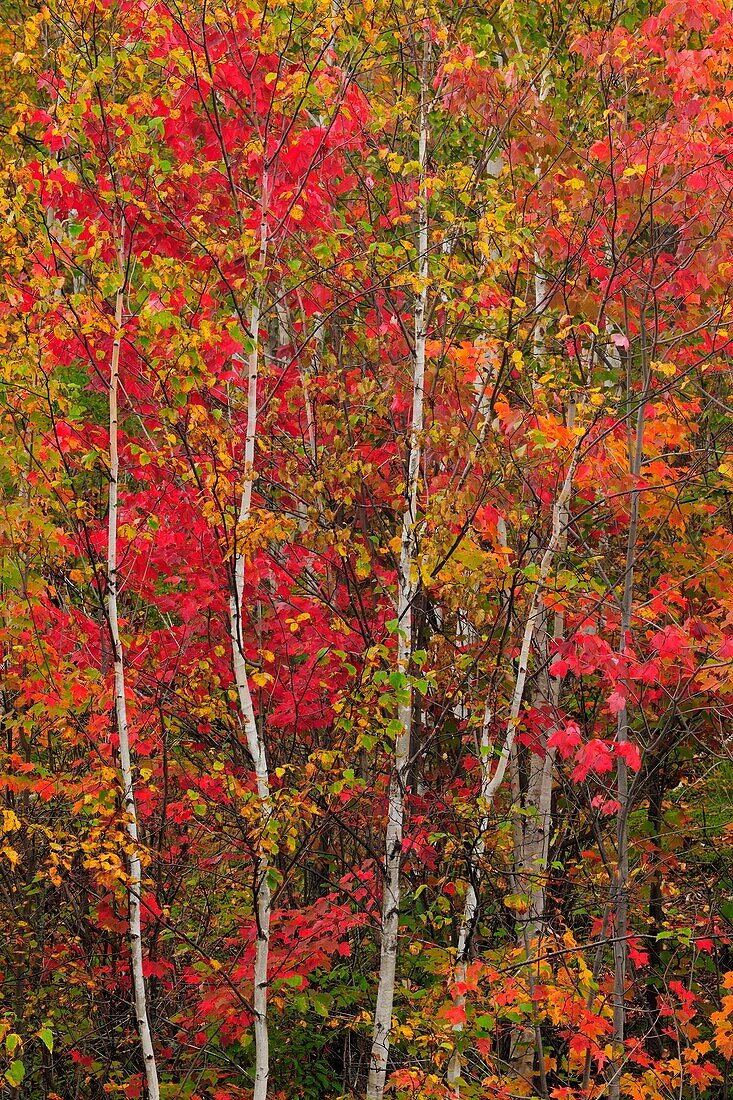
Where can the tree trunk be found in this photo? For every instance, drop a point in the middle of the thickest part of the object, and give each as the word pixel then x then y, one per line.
pixel 406 590
pixel 123 733
pixel 620 890
pixel 533 832
pixel 254 736
pixel 536 612
pixel 471 909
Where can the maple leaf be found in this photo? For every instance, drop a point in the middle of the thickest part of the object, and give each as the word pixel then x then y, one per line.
pixel 565 740
pixel 637 954
pixel 630 753
pixel 607 806
pixel 454 1014
pixel 616 702
pixel 593 757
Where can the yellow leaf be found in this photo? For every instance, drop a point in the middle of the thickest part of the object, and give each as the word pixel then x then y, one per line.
pixel 11 855
pixel 518 903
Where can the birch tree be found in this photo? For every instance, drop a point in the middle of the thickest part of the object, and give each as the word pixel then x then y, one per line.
pixel 253 732
pixel 489 787
pixel 134 884
pixel 406 591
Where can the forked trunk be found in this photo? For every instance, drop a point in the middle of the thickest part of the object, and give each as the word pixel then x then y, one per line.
pixel 533 831
pixel 536 613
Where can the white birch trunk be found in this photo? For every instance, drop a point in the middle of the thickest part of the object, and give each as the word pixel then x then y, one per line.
pixel 532 833
pixel 123 732
pixel 536 838
pixel 406 589
pixel 535 830
pixel 254 736
pixel 471 909
pixel 536 611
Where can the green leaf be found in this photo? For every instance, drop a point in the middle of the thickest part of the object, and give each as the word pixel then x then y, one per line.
pixel 46 1037
pixel 321 1003
pixel 15 1072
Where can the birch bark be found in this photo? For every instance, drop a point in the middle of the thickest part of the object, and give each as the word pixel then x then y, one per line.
pixel 254 734
pixel 536 612
pixel 406 590
pixel 123 731
pixel 533 831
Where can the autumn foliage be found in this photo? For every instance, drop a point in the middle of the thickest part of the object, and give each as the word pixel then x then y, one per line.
pixel 269 236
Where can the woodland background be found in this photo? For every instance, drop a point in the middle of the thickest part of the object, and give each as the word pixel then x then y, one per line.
pixel 366 549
